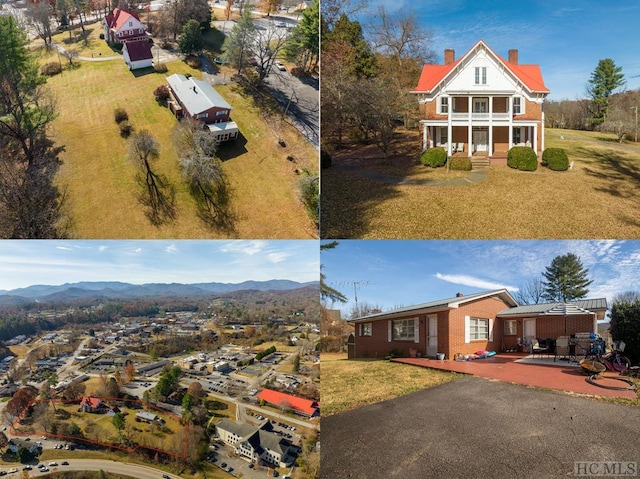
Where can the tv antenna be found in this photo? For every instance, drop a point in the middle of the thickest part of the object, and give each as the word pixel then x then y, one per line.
pixel 356 285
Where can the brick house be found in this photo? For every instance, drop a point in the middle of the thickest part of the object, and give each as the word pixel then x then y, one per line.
pixel 121 26
pixel 199 100
pixel 481 103
pixel 490 320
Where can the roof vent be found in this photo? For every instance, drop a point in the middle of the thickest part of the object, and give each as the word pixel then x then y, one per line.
pixel 459 295
pixel 195 91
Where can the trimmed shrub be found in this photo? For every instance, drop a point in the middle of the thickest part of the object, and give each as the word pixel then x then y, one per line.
pixel 120 115
pixel 162 93
pixel 555 159
pixel 125 129
pixel 50 69
pixel 434 157
pixel 325 159
pixel 460 164
pixel 522 158
pixel 102 36
pixel 160 68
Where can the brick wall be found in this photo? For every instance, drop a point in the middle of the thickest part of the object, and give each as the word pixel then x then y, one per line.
pixel 553 326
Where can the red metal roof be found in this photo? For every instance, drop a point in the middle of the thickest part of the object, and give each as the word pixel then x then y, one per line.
pixel 139 50
pixel 305 406
pixel 119 17
pixel 529 75
pixel 92 402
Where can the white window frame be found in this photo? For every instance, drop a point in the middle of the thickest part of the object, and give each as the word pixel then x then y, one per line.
pixel 221 112
pixel 520 106
pixel 404 329
pixel 517 129
pixel 510 327
pixel 366 329
pixel 471 332
pixel 444 105
pixel 480 75
pixel 443 138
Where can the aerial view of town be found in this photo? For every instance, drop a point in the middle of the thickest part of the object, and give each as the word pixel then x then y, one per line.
pixel 148 380
pixel 159 119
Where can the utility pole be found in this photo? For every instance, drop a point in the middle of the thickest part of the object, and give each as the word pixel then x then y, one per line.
pixel 636 135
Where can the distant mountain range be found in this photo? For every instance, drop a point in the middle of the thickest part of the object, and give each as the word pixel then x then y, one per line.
pixel 115 290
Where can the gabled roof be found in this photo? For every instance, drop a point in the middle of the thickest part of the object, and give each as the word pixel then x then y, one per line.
pixel 119 17
pixel 305 406
pixel 433 75
pixel 586 306
pixel 197 96
pixel 139 50
pixel 92 402
pixel 447 303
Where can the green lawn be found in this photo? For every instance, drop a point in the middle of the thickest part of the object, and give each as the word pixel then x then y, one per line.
pixel 599 197
pixel 99 179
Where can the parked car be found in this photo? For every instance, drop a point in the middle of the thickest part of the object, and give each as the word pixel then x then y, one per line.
pixel 280 66
pixel 65 463
pixel 281 25
pixel 53 463
pixel 218 61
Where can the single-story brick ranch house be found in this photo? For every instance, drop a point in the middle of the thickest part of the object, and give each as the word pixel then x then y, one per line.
pixel 490 320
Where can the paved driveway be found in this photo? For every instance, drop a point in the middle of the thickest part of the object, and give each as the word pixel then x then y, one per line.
pixel 477 428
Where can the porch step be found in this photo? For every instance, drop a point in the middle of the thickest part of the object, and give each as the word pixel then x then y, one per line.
pixel 480 162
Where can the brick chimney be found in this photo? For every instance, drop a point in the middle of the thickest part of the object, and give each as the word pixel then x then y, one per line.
pixel 449 56
pixel 513 56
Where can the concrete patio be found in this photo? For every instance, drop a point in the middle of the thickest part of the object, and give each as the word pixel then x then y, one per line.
pixel 520 368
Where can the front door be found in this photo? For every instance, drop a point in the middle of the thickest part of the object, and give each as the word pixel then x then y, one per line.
pixel 529 329
pixel 432 335
pixel 480 140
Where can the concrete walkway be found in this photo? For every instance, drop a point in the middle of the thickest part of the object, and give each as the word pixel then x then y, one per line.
pixel 513 368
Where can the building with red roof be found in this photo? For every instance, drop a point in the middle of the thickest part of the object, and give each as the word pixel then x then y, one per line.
pixel 92 404
pixel 137 54
pixel 121 26
pixel 305 407
pixel 481 104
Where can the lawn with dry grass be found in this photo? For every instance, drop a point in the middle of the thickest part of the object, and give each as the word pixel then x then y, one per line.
pixel 98 178
pixel 367 197
pixel 352 383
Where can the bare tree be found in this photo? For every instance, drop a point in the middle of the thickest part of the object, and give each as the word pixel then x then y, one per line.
pixel 39 16
pixel 70 54
pixel 159 195
pixel 619 121
pixel 531 292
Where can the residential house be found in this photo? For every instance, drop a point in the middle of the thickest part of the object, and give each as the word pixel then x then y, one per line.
pixel 256 444
pixel 146 417
pixel 481 103
pixel 491 320
pixel 199 100
pixel 121 26
pixel 137 54
pixel 302 406
pixel 92 405
pixel 16 444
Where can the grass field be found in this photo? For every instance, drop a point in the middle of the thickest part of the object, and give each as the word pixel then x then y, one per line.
pixel 99 179
pixel 348 384
pixel 599 197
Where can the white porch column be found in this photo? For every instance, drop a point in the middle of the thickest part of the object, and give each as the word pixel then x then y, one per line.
pixel 535 139
pixel 542 131
pixel 510 122
pixel 490 126
pixel 449 125
pixel 470 129
pixel 424 136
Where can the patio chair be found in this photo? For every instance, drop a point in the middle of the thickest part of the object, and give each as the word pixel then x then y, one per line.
pixel 562 347
pixel 536 348
pixel 460 148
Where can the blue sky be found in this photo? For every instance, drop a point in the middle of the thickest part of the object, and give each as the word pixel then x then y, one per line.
pixel 391 274
pixel 25 263
pixel 565 37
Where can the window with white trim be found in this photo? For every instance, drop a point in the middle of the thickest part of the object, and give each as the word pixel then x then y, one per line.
pixel 366 329
pixel 202 115
pixel 444 135
pixel 510 327
pixel 221 112
pixel 478 328
pixel 444 105
pixel 403 330
pixel 517 105
pixel 517 135
pixel 481 75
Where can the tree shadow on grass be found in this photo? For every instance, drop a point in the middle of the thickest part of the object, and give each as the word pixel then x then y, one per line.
pixel 621 174
pixel 140 72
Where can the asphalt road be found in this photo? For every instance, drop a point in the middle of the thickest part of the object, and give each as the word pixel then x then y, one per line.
pixel 477 428
pixel 132 470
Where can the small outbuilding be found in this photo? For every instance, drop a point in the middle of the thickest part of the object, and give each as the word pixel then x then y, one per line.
pixel 137 54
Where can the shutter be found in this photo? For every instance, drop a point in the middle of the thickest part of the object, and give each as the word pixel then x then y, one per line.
pixel 416 330
pixel 467 329
pixel 490 329
pixel 390 325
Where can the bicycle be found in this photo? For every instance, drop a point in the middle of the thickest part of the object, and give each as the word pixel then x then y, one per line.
pixel 613 361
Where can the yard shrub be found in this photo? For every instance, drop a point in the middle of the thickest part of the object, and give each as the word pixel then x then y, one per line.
pixel 522 158
pixel 309 191
pixel 125 129
pixel 102 36
pixel 162 93
pixel 460 164
pixel 556 159
pixel 434 157
pixel 120 115
pixel 50 69
pixel 160 68
pixel 325 159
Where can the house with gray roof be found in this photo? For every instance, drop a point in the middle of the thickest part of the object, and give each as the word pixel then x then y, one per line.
pixel 465 324
pixel 197 99
pixel 256 444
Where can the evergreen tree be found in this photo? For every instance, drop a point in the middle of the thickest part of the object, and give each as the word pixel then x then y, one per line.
pixel 605 79
pixel 239 40
pixel 566 279
pixel 190 40
pixel 625 323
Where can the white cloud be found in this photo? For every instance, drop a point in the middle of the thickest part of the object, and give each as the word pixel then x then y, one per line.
pixel 277 257
pixel 137 250
pixel 103 248
pixel 249 248
pixel 465 280
pixel 172 249
pixel 64 248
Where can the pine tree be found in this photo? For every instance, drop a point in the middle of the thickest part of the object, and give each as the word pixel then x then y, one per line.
pixel 566 279
pixel 605 79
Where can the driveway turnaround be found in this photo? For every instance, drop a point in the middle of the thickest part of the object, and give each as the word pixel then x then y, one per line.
pixel 477 428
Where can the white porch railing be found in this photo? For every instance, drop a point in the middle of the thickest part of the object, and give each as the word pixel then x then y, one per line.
pixel 480 116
